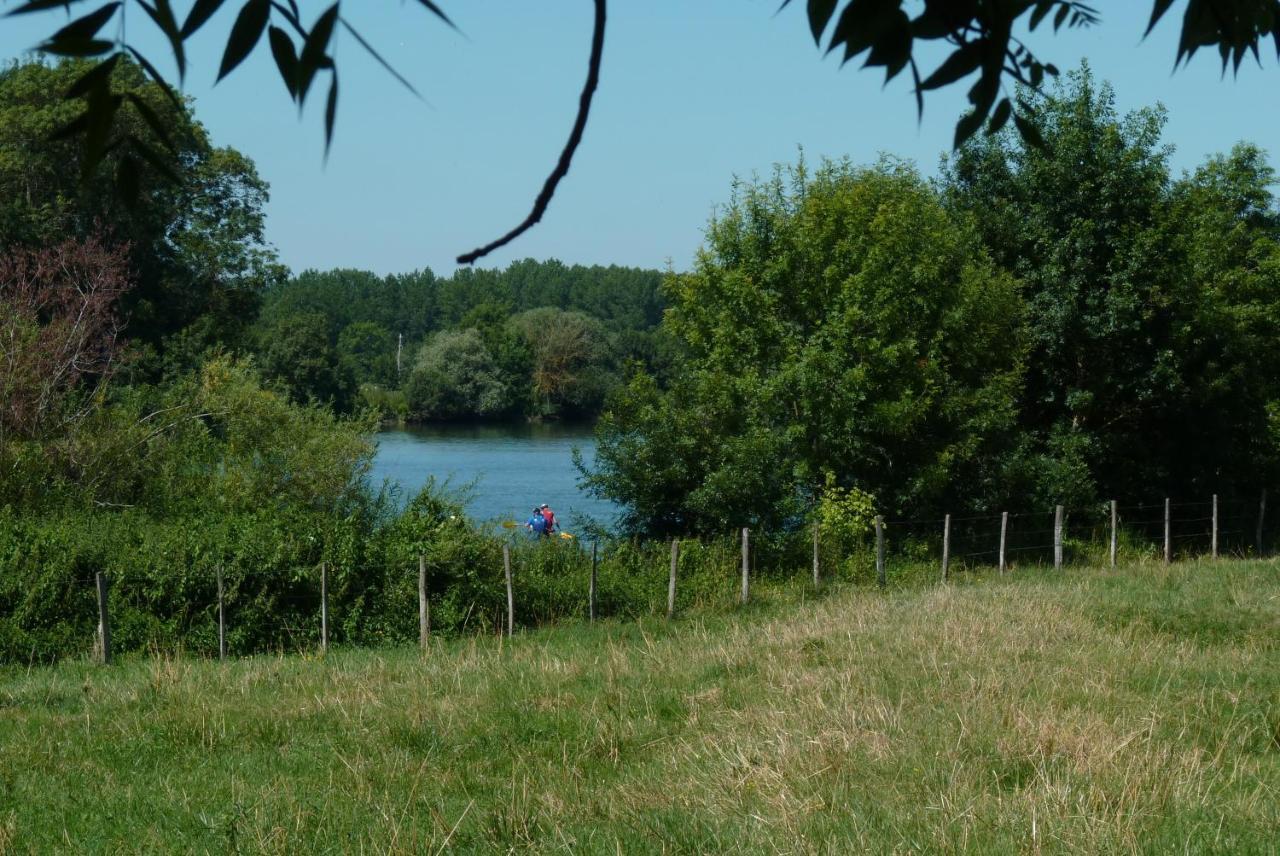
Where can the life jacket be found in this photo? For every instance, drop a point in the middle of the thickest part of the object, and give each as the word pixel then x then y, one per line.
pixel 539 523
pixel 549 517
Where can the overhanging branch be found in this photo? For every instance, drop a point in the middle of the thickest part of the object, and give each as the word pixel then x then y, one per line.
pixel 566 156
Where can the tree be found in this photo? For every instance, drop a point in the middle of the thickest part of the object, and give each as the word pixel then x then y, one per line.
pixel 569 376
pixel 455 378
pixel 196 250
pixel 1151 305
pixel 295 353
pixel 839 321
pixel 368 353
pixel 979 33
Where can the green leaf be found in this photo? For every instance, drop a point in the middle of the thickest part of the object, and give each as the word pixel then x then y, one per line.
pixel 820 12
pixel 156 77
pixel 94 77
pixel 286 58
pixel 101 114
pixel 1043 7
pixel 152 119
pixel 963 61
pixel 201 12
pixel 330 112
pixel 77 47
pixel 86 27
pixel 1029 132
pixel 969 123
pixel 931 24
pixel 162 14
pixel 41 6
pixel 156 160
pixel 862 24
pixel 1059 18
pixel 1001 116
pixel 245 33
pixel 1157 12
pixel 893 50
pixel 127 181
pixel 313 56
pixel 72 128
pixel 437 11
pixel 290 14
pixel 377 56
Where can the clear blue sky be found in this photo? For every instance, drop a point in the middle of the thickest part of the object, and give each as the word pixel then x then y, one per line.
pixel 692 93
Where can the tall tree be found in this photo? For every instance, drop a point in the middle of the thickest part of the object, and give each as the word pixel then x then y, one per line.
pixel 1130 325
pixel 840 322
pixel 196 249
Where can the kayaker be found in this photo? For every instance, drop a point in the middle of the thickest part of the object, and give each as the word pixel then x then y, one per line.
pixel 549 517
pixel 537 523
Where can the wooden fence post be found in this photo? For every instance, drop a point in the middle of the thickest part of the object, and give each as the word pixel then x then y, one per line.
pixel 591 588
pixel 511 595
pixel 815 555
pixel 424 605
pixel 1057 537
pixel 946 548
pixel 1168 533
pixel 222 620
pixel 880 574
pixel 1262 511
pixel 671 581
pixel 104 619
pixel 1114 521
pixel 324 606
pixel 746 564
pixel 1213 542
pixel 1004 537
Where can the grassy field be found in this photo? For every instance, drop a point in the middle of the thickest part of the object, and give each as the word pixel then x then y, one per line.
pixel 1087 712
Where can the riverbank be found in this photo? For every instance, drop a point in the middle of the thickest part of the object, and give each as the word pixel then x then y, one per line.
pixel 1091 711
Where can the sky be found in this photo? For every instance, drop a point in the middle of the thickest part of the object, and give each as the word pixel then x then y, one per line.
pixel 692 94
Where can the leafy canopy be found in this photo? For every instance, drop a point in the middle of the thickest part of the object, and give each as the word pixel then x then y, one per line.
pixel 837 321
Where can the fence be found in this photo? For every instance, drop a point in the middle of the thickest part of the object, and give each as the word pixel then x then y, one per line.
pixel 916 549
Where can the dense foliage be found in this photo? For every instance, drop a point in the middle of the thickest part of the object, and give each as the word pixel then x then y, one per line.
pixel 539 340
pixel 839 321
pixel 1041 325
pixel 1064 324
pixel 196 251
pixel 1153 302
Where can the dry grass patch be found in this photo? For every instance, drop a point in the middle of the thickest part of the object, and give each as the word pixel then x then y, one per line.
pixel 1132 712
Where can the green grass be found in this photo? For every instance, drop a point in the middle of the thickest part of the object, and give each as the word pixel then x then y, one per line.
pixel 1087 712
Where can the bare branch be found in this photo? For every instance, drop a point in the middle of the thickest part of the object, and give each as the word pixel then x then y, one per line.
pixel 566 156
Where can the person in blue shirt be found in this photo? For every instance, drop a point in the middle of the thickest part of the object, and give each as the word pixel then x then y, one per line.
pixel 537 524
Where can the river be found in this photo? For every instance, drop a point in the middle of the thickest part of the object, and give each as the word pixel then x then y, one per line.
pixel 504 470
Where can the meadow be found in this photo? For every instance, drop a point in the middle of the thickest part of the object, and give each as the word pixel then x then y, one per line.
pixel 1129 711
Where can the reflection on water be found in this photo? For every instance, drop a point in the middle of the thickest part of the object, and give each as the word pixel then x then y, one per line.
pixel 511 467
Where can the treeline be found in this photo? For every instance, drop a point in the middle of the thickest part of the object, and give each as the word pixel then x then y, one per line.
pixel 1040 325
pixel 539 340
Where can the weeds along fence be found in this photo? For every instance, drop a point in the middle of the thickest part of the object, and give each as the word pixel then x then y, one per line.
pixel 58 599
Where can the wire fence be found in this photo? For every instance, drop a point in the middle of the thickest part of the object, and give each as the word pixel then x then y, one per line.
pixel 309 610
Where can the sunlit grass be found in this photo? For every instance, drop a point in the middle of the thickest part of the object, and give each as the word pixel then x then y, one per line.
pixel 1087 711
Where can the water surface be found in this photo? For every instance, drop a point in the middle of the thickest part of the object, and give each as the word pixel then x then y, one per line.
pixel 510 468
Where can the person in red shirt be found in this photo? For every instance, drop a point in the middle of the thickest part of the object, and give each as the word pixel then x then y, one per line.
pixel 549 516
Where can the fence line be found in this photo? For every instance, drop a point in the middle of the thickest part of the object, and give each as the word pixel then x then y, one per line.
pixel 1103 524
